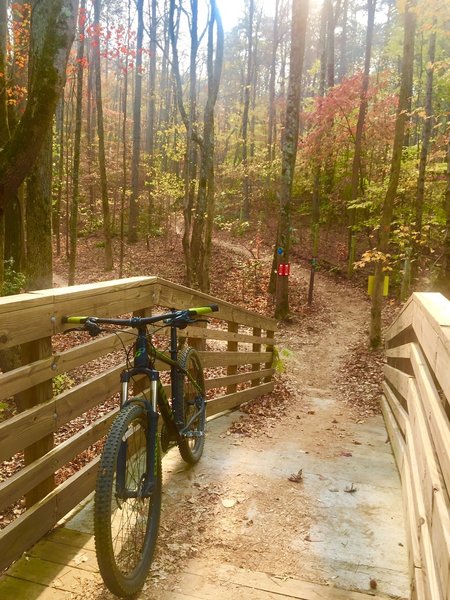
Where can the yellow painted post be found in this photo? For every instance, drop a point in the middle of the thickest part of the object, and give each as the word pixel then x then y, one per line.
pixel 371 282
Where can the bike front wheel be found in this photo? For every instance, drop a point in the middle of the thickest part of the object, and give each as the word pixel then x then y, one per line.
pixel 126 510
pixel 190 407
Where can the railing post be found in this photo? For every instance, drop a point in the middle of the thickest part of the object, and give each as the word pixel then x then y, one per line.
pixel 198 343
pixel 269 348
pixel 256 348
pixel 30 352
pixel 232 347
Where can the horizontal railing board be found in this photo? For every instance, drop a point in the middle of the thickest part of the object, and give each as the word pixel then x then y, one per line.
pixel 239 378
pixel 436 416
pixel 23 378
pixel 44 319
pixel 399 413
pixel 230 401
pixel 226 336
pixel 414 554
pixel 221 359
pixel 395 433
pixel 170 292
pixel 29 527
pixel 24 480
pixel 34 423
pixel 431 481
pixel 398 379
pixel 431 324
pixel 440 538
pixel 402 321
pixel 426 550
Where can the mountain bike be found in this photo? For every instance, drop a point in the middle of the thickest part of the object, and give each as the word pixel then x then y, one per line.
pixel 127 501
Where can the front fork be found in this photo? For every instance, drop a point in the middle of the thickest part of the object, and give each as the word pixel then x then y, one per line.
pixel 144 487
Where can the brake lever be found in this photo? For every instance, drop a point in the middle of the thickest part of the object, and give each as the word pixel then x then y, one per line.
pixel 92 328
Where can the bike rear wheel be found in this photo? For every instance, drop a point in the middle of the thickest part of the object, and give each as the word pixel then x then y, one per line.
pixel 192 401
pixel 126 518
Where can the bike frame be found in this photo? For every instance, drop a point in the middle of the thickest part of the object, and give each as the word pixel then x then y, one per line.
pixel 158 399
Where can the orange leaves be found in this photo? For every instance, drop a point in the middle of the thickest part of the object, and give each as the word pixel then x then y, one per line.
pixel 15 94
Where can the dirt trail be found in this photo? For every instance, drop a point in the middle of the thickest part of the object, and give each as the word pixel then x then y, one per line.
pixel 274 501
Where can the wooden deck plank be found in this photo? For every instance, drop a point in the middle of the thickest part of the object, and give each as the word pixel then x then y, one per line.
pixel 263 582
pixel 82 558
pixel 50 574
pixel 12 588
pixel 71 537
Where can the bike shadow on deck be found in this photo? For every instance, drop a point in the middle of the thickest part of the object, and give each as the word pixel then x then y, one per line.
pixel 320 530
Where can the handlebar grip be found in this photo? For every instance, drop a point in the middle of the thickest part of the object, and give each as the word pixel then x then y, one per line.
pixel 203 310
pixel 75 320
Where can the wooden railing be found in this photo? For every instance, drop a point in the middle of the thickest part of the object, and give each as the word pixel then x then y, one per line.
pixel 238 349
pixel 416 407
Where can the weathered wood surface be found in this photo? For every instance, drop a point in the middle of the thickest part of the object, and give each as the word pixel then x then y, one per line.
pixel 415 405
pixel 242 363
pixel 64 563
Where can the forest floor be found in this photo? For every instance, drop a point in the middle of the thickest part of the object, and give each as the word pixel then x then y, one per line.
pixel 326 396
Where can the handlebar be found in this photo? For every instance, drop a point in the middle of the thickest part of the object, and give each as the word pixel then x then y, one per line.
pixel 175 318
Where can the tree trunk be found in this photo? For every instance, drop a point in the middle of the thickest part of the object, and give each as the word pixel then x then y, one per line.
pixel 443 283
pixel 426 135
pixel 123 195
pixel 101 140
pixel 136 153
pixel 396 161
pixel 52 32
pixel 73 223
pixel 39 263
pixel 356 166
pixel 60 176
pixel 342 72
pixel 150 142
pixel 273 71
pixel 204 211
pixel 245 112
pixel 289 149
pixel 189 121
pixel 90 134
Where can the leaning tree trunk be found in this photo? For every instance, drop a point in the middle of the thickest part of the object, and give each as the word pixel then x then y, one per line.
pixel 289 149
pixel 396 161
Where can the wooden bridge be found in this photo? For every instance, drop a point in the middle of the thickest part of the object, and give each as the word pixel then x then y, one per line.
pixel 416 406
pixel 240 351
pixel 238 347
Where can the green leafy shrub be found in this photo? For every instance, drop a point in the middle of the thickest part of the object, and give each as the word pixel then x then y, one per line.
pixel 14 281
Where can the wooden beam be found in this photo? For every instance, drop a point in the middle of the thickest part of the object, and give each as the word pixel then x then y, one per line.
pixel 400 414
pixel 27 529
pixel 395 434
pixel 434 411
pixel 421 521
pixel 398 380
pixel 21 482
pixel 229 401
